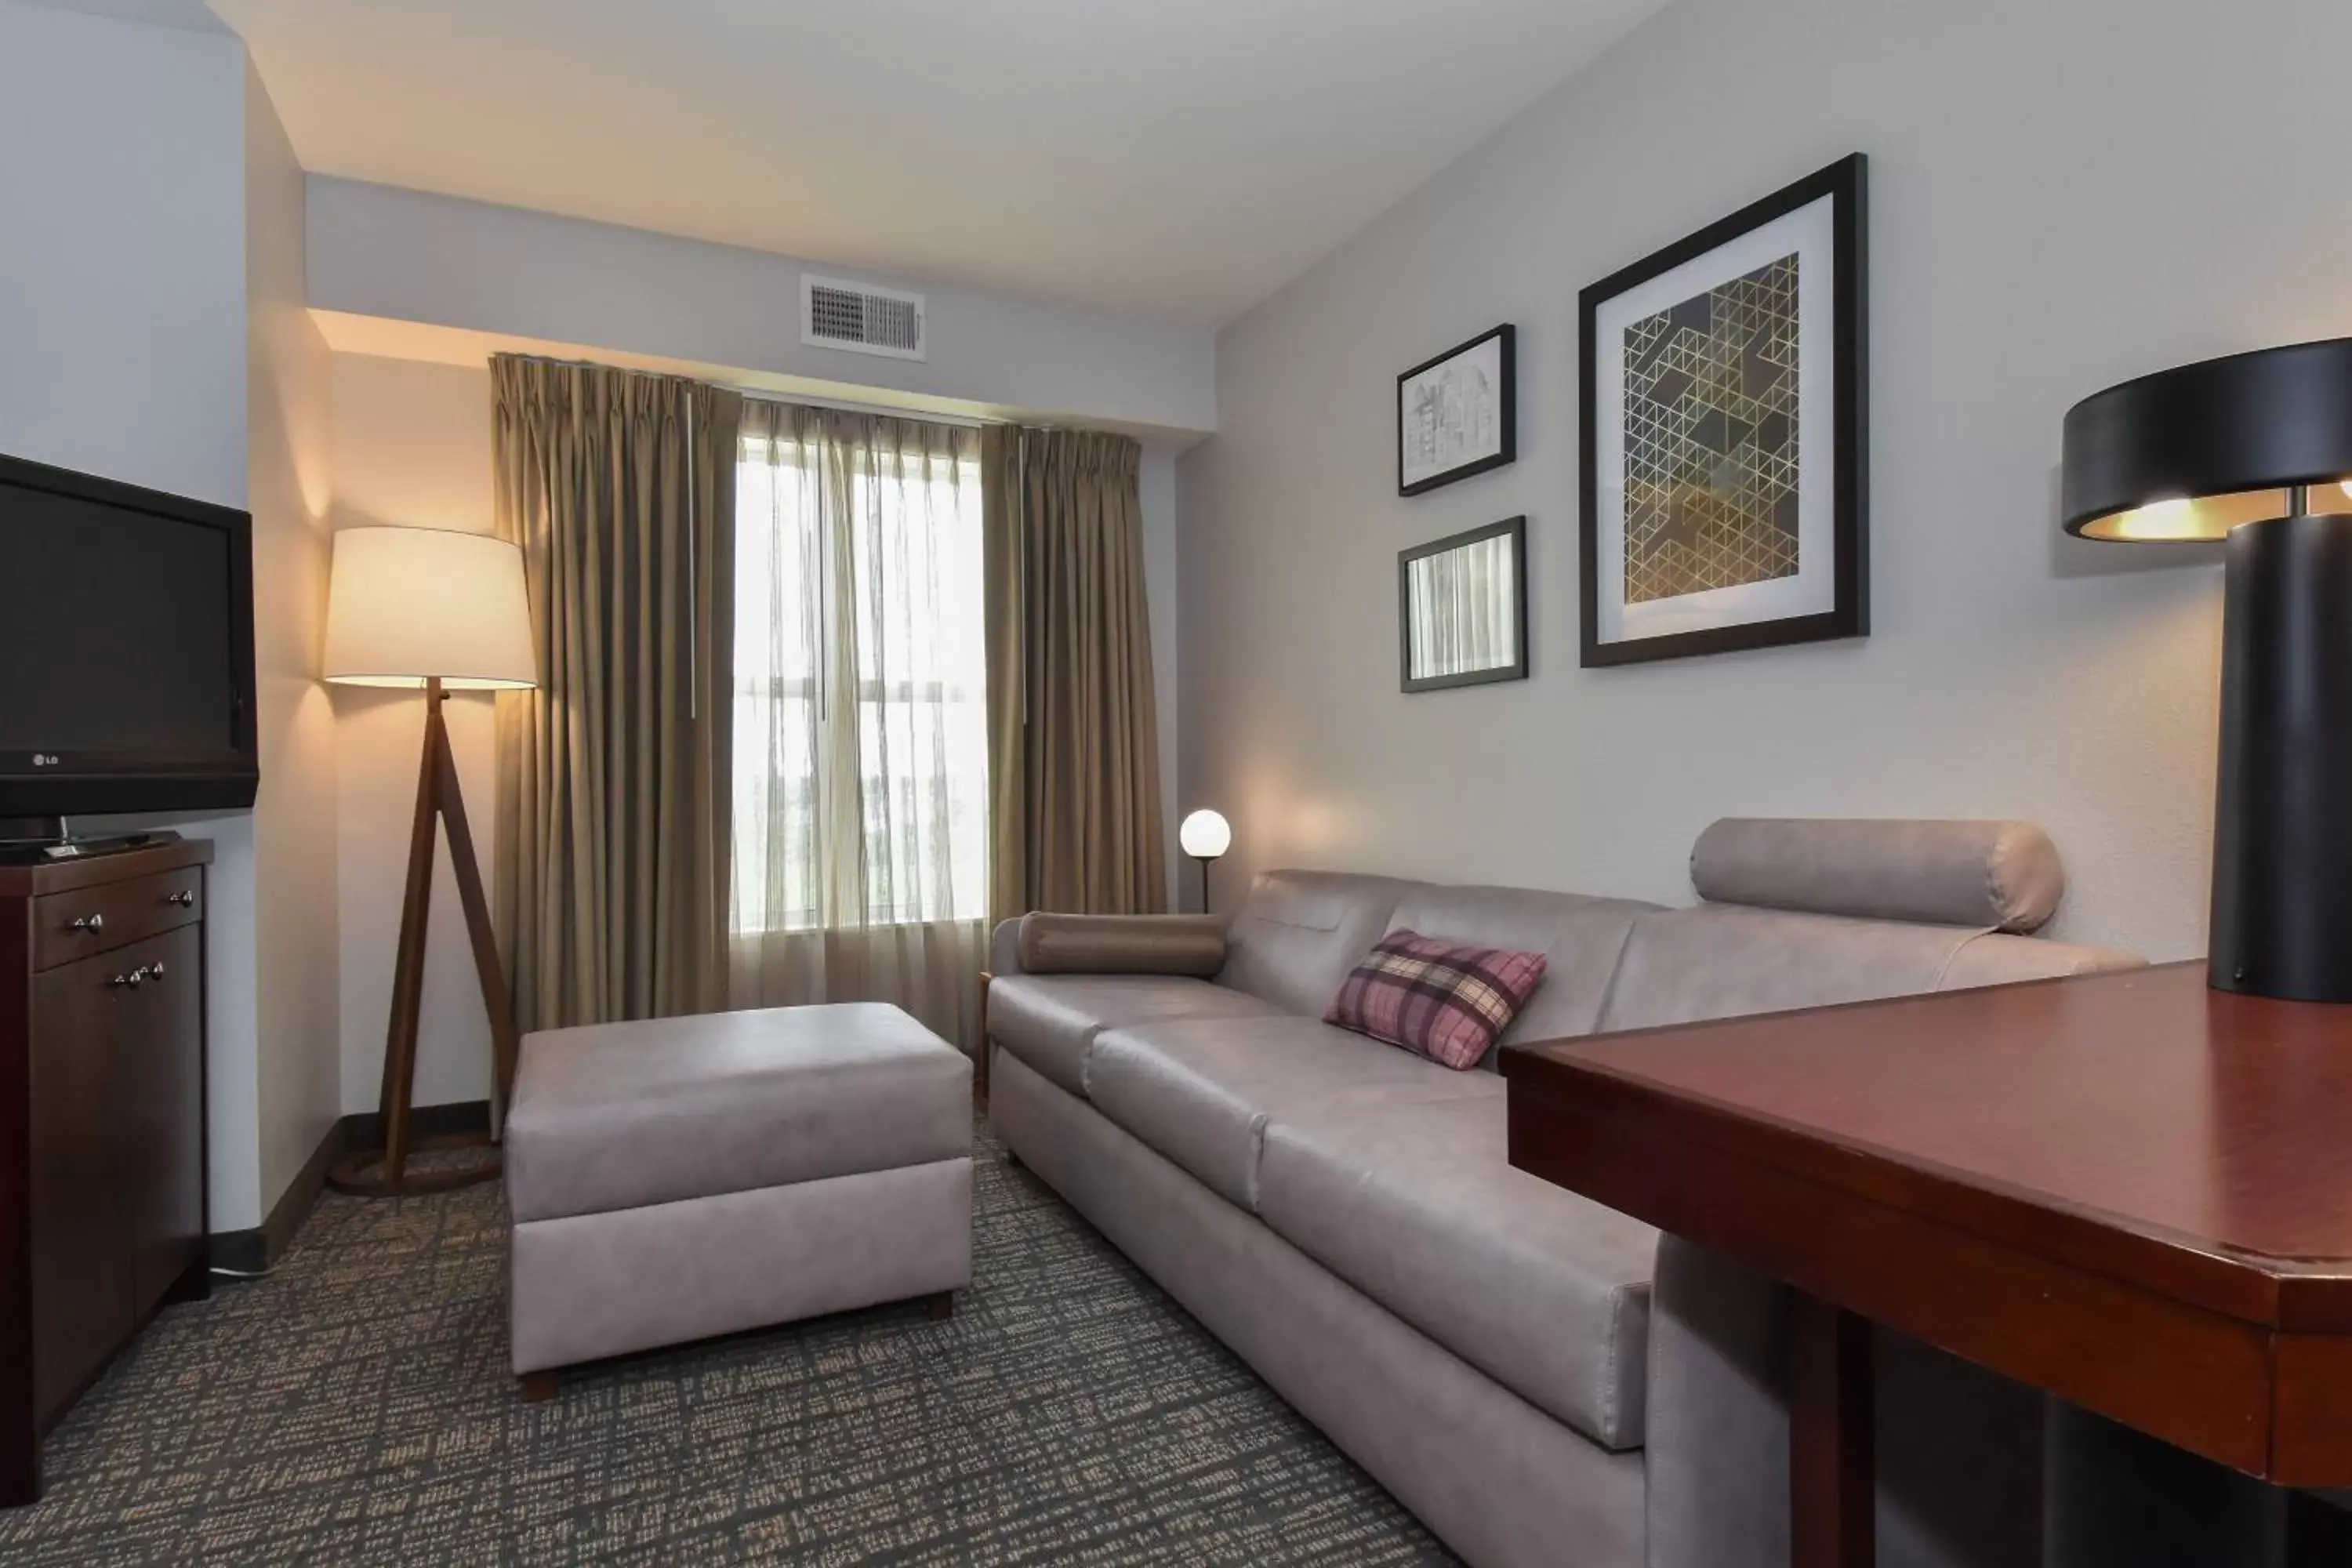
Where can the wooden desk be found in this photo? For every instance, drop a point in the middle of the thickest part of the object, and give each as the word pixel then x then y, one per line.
pixel 2126 1189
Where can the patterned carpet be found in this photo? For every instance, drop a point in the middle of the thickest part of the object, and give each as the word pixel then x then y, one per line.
pixel 354 1408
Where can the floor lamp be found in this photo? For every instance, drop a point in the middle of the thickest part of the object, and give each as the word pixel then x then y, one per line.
pixel 422 608
pixel 1205 836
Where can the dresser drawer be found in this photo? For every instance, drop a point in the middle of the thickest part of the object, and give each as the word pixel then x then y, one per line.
pixel 67 926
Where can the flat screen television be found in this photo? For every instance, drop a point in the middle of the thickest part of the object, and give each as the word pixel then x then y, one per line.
pixel 126 650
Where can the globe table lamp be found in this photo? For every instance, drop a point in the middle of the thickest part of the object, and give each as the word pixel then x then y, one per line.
pixel 1204 836
pixel 426 609
pixel 2254 450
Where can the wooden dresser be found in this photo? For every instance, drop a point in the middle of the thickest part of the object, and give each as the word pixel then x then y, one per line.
pixel 102 1216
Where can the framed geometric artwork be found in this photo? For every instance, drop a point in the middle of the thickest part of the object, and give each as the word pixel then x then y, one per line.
pixel 1458 415
pixel 1462 608
pixel 1725 446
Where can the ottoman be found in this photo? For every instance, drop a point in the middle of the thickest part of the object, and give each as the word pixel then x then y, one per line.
pixel 684 1177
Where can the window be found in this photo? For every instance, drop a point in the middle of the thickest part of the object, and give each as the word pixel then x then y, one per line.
pixel 860 737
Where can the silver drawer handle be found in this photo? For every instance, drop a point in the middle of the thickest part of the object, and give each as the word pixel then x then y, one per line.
pixel 185 899
pixel 93 924
pixel 131 982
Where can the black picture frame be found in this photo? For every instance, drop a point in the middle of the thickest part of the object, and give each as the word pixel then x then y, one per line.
pixel 1845 184
pixel 1509 452
pixel 1515 528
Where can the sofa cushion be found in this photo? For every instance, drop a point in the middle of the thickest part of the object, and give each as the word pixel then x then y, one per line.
pixel 1051 1020
pixel 1419 1208
pixel 1299 932
pixel 1994 959
pixel 1443 1001
pixel 1721 961
pixel 615 1116
pixel 1199 1091
pixel 1579 937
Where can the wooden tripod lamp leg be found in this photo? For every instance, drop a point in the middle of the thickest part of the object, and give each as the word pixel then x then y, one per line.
pixel 408 966
pixel 478 927
pixel 438 801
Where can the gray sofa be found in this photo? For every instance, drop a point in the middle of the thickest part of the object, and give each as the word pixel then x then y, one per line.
pixel 1535 1376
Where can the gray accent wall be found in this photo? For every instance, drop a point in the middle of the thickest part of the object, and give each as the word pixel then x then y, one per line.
pixel 2063 193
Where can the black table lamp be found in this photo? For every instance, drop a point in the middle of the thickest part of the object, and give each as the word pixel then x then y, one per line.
pixel 2254 449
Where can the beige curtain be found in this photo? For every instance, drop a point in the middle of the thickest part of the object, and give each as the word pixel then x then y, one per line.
pixel 612 817
pixel 861 740
pixel 1073 738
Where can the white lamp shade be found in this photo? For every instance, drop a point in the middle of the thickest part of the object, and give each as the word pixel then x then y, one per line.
pixel 406 605
pixel 1205 835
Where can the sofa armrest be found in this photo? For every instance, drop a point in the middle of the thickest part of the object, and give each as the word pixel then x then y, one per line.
pixel 1959 1449
pixel 1717 1416
pixel 1004 948
pixel 1120 944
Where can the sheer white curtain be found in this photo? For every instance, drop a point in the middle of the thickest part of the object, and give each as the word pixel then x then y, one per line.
pixel 861 763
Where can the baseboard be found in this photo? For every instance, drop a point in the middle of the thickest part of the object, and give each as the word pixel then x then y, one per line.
pixel 255 1251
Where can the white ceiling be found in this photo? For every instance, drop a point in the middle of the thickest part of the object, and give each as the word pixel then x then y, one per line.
pixel 1175 157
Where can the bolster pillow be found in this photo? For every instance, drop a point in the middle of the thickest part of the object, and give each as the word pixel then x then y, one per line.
pixel 1122 944
pixel 2004 875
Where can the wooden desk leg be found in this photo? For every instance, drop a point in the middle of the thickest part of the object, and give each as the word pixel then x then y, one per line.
pixel 1832 1518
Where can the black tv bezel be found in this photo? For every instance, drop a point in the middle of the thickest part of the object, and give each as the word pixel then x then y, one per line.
pixel 86 783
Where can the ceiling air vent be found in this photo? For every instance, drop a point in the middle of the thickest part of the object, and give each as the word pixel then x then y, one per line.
pixel 861 318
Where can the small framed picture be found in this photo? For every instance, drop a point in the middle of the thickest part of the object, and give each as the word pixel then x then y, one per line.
pixel 1724 444
pixel 1458 415
pixel 1462 608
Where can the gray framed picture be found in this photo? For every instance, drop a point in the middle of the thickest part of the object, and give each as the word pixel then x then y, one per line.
pixel 1462 608
pixel 1724 437
pixel 1458 415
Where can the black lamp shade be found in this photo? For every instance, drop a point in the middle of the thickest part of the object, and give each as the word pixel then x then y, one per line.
pixel 2188 453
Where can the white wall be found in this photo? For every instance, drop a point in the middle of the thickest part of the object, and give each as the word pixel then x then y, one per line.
pixel 152 258
pixel 123 254
pixel 411 448
pixel 297 1073
pixel 122 295
pixel 405 255
pixel 2063 193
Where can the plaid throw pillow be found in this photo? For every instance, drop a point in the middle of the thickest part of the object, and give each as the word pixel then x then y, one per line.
pixel 1436 999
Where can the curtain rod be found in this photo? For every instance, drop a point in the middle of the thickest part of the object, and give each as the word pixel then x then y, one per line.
pixel 965 421
pixel 841 404
pixel 845 406
pixel 768 394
